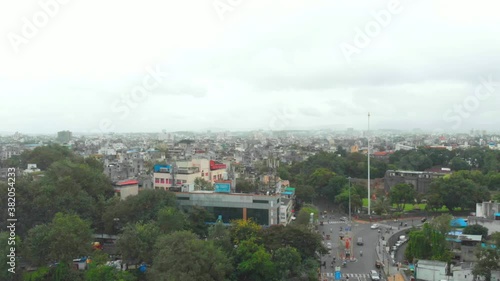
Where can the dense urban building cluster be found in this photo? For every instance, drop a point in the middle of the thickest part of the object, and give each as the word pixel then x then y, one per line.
pixel 241 193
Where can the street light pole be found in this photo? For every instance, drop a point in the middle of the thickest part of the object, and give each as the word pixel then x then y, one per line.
pixel 369 191
pixel 350 220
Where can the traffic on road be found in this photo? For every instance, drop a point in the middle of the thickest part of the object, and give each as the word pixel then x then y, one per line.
pixel 357 250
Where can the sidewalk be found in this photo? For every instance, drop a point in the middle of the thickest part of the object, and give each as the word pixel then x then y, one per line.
pixel 389 270
pixel 396 277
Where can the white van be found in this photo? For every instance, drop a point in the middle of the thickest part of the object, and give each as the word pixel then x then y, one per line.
pixel 402 238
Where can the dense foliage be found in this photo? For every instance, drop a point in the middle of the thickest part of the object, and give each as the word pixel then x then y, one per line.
pixel 73 200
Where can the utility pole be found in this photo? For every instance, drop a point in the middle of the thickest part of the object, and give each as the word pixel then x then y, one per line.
pixel 369 195
pixel 350 221
pixel 173 171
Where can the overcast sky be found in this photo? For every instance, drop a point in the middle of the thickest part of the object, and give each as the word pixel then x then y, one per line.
pixel 145 66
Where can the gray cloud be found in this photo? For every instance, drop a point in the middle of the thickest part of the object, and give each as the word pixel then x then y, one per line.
pixel 264 67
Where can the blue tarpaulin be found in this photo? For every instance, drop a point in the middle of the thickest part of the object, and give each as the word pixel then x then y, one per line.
pixel 458 222
pixel 497 214
pixel 484 245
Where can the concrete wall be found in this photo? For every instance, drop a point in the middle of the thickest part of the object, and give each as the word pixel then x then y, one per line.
pixel 460 274
pixel 128 191
pixel 395 237
pixel 492 225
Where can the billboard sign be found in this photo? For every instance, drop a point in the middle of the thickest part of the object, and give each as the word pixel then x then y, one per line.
pixel 223 187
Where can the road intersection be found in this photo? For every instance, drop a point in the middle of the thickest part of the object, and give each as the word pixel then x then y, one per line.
pixel 358 267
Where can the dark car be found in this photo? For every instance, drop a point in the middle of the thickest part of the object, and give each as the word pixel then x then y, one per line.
pixel 424 220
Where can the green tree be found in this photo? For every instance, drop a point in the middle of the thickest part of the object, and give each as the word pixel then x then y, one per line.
pixel 401 194
pixel 442 224
pixel 487 262
pixel 144 207
pixel 305 193
pixel 288 262
pixel 245 186
pixel 65 238
pixel 108 273
pixel 428 243
pixel 343 200
pixel 458 164
pixel 137 242
pixel 415 161
pixel 221 237
pixel 182 256
pixel 253 262
pixel 202 184
pixel 476 229
pixel 44 156
pixel 243 230
pixel 299 237
pixel 283 172
pixel 382 205
pixel 493 181
pixel 196 220
pixel 171 219
pixel 458 191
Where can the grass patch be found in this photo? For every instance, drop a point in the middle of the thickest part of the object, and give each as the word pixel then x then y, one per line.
pixel 408 207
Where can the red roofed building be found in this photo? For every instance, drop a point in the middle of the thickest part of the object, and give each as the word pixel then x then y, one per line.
pixel 382 155
pixel 126 188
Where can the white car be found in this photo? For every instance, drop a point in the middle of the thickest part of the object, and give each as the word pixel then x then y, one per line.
pixel 394 248
pixel 374 275
pixel 375 226
pixel 399 243
pixel 329 246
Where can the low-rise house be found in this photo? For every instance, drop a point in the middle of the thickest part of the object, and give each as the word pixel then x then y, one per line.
pixel 126 188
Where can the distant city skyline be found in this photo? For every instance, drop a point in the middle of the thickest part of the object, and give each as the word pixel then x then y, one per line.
pixel 355 131
pixel 190 67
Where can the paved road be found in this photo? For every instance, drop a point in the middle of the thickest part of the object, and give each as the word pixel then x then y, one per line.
pixel 358 269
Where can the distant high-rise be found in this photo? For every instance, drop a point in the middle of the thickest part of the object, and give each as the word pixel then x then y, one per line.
pixel 64 136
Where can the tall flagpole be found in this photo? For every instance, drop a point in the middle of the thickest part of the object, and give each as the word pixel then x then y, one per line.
pixel 369 195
